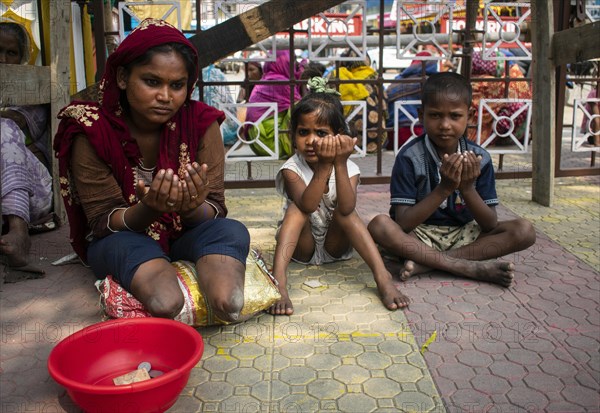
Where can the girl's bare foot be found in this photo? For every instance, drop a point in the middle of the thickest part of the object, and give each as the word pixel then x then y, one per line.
pixel 283 306
pixel 391 297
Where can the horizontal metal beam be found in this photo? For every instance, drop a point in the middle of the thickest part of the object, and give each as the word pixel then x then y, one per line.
pixel 301 42
pixel 379 180
pixel 576 44
pixel 253 26
pixel 244 30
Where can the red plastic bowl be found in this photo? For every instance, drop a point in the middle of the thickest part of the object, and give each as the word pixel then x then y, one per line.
pixel 86 362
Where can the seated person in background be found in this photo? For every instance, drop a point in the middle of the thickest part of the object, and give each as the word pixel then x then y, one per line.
pixel 361 70
pixel 26 184
pixel 264 131
pixel 216 95
pixel 496 90
pixel 255 72
pixel 443 197
pixel 407 91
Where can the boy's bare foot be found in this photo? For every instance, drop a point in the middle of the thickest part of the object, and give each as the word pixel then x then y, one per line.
pixel 283 306
pixel 413 268
pixel 391 297
pixel 502 273
pixel 403 271
pixel 395 267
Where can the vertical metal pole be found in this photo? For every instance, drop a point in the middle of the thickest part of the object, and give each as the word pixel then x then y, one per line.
pixel 468 40
pixel 593 159
pixel 198 16
pixel 543 147
pixel 379 86
pixel 249 163
pixel 292 76
pixel 60 44
pixel 580 10
pixel 198 31
pixel 293 81
pixel 1 216
pixel 506 90
pixel 562 11
pixel 42 34
pixel 98 8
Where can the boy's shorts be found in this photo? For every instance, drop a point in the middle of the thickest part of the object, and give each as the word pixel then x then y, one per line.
pixel 444 238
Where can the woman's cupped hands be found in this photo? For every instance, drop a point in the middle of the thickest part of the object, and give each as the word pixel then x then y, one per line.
pixel 169 192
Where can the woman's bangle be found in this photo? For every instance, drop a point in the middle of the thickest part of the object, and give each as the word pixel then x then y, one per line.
pixel 214 207
pixel 109 216
pixel 123 220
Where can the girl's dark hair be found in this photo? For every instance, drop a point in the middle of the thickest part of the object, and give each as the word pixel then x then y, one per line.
pixel 327 107
pixel 184 51
pixel 22 38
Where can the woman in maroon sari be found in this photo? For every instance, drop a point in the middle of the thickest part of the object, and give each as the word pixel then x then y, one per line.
pixel 142 178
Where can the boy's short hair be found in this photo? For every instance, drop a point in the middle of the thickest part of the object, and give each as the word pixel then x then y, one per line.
pixel 448 86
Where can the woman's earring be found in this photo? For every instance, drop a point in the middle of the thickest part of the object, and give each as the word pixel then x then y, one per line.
pixel 122 83
pixel 121 78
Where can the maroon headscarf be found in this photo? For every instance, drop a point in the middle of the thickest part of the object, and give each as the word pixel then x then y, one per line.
pixel 104 126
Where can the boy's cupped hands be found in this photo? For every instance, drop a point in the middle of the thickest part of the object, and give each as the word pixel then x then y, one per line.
pixel 460 170
pixel 470 171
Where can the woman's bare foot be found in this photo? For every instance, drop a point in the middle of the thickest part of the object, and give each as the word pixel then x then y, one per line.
pixel 391 297
pixel 501 273
pixel 283 306
pixel 16 243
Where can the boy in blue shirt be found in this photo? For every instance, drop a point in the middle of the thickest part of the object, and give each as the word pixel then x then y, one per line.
pixel 443 197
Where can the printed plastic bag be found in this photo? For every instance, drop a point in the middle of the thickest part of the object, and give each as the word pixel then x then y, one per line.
pixel 260 293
